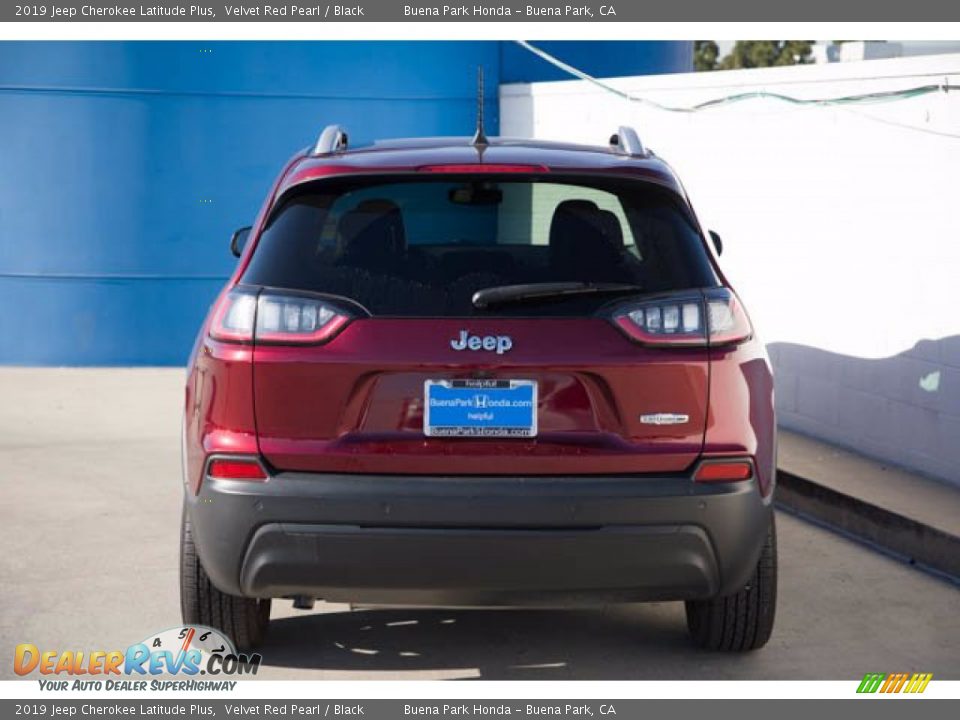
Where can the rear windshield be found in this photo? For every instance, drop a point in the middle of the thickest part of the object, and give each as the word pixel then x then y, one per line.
pixel 423 247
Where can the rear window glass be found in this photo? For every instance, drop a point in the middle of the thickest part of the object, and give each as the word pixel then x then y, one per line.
pixel 415 247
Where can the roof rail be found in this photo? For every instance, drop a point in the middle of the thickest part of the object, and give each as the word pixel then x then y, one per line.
pixel 333 139
pixel 627 140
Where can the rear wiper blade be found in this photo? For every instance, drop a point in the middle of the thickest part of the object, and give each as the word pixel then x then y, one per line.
pixel 529 292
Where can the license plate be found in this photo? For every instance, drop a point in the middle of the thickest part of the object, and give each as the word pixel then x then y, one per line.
pixel 480 408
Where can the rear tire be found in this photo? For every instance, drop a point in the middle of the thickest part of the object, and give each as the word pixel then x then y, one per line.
pixel 243 620
pixel 742 620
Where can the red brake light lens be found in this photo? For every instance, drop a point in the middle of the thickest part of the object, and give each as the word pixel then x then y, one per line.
pixel 236 469
pixel 724 471
pixel 242 316
pixel 715 318
pixel 472 168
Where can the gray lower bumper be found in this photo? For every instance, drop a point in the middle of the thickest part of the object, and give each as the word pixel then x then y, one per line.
pixel 478 540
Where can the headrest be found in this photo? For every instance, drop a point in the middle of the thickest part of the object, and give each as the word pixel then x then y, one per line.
pixel 372 233
pixel 612 230
pixel 585 242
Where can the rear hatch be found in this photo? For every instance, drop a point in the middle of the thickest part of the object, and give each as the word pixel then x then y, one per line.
pixel 468 325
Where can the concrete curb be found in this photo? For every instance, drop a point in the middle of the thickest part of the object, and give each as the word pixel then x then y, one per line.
pixel 919 543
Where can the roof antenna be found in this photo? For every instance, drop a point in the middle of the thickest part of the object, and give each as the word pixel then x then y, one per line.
pixel 480 138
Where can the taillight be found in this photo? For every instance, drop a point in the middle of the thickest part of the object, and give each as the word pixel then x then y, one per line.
pixel 236 469
pixel 234 316
pixel 726 318
pixel 674 321
pixel 296 319
pixel 713 317
pixel 275 318
pixel 723 471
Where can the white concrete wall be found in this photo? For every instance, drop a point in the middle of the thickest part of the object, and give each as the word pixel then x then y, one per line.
pixel 841 229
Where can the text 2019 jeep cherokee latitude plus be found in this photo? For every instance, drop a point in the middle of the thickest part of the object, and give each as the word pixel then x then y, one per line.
pixel 470 373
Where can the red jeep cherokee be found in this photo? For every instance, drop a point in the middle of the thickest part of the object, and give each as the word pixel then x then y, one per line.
pixel 455 372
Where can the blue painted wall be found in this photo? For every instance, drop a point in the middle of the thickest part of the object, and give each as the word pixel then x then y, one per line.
pixel 124 167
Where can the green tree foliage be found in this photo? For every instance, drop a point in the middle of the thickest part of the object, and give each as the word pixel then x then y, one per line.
pixel 705 55
pixel 752 54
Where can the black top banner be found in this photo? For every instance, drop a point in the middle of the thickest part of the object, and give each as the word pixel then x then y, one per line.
pixel 449 709
pixel 483 11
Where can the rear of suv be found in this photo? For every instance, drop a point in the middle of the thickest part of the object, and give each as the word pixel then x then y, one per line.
pixel 479 373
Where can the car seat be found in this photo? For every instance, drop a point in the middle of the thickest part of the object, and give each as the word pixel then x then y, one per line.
pixel 586 243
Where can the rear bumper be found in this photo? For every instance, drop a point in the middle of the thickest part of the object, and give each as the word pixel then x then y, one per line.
pixel 478 540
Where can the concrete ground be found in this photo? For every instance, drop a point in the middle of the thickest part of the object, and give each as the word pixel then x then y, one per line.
pixel 89 530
